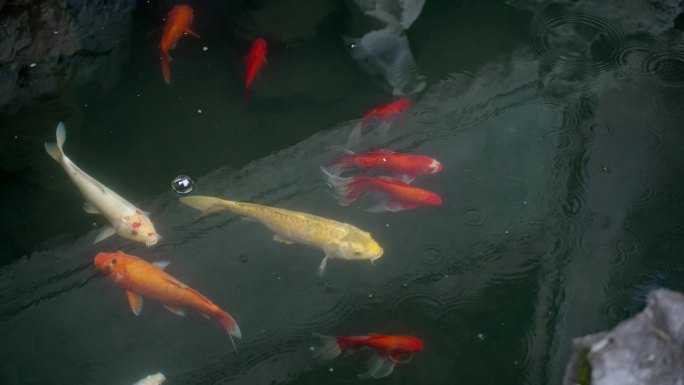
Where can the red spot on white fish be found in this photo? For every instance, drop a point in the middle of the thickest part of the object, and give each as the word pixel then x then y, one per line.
pixel 136 225
pixel 150 234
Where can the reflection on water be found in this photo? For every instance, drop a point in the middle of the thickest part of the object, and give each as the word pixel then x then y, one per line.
pixel 561 209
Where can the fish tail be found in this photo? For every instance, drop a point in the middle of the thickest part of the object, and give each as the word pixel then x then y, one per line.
pixel 347 190
pixel 165 68
pixel 330 349
pixel 55 149
pixel 245 98
pixel 207 205
pixel 230 325
pixel 341 165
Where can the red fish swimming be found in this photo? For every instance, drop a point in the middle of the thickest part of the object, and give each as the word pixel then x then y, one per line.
pixel 255 60
pixel 389 350
pixel 142 279
pixel 178 22
pixel 388 111
pixel 384 160
pixel 395 194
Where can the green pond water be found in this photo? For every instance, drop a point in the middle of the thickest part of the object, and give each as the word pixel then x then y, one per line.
pixel 559 126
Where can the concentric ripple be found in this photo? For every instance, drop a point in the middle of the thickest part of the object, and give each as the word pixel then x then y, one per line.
pixel 431 255
pixel 417 301
pixel 665 68
pixel 578 41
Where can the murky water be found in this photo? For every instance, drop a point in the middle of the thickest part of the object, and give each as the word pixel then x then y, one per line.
pixel 559 128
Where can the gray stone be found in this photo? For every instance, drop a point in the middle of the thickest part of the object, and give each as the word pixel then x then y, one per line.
pixel 647 349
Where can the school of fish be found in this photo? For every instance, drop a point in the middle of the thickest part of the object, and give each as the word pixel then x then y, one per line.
pixel 381 175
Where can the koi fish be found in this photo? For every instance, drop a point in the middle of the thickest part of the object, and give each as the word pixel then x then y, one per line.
pixel 178 21
pixel 336 239
pixel 153 379
pixel 396 195
pixel 255 60
pixel 142 279
pixel 386 114
pixel 389 351
pixel 384 160
pixel 126 220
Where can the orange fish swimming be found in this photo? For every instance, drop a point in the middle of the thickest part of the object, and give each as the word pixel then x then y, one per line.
pixel 255 60
pixel 388 111
pixel 389 350
pixel 384 160
pixel 142 279
pixel 178 22
pixel 395 194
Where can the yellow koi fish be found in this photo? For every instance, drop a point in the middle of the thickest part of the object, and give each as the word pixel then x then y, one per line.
pixel 336 239
pixel 126 219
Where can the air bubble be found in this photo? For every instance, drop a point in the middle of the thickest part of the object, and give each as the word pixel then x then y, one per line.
pixel 182 184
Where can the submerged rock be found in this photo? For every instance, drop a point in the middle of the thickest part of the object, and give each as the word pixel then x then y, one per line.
pixel 646 349
pixel 49 45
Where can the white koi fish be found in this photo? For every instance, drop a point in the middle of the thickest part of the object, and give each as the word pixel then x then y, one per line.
pixel 127 220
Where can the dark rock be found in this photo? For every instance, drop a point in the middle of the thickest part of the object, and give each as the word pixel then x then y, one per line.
pixel 646 349
pixel 49 45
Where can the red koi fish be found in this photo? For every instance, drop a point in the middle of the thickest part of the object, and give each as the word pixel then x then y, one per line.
pixel 396 195
pixel 388 111
pixel 142 279
pixel 389 351
pixel 385 114
pixel 405 164
pixel 178 21
pixel 255 60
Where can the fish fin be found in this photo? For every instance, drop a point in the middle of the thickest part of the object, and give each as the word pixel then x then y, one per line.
pixel 321 267
pixel 384 128
pixel 355 136
pixel 161 264
pixel 105 233
pixel 165 59
pixel 175 310
pixel 346 151
pixel 330 348
pixel 406 178
pixel 207 205
pixel 347 190
pixel 205 316
pixel 248 219
pixel 136 302
pixel 191 32
pixel 55 149
pixel 402 179
pixel 383 16
pixel 89 208
pixel 378 367
pixel 281 239
pixel 387 204
pixel 230 325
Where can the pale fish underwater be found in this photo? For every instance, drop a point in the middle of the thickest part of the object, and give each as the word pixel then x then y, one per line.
pixel 338 240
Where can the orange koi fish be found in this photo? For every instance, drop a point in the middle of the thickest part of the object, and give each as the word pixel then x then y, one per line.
pixel 142 279
pixel 377 159
pixel 178 21
pixel 388 111
pixel 396 195
pixel 255 60
pixel 389 351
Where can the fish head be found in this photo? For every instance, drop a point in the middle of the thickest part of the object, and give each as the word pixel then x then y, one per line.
pixel 434 166
pixel 138 227
pixel 109 263
pixel 358 245
pixel 154 379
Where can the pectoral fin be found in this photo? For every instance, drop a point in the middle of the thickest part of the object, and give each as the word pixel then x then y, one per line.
pixel 161 264
pixel 284 240
pixel 136 302
pixel 321 268
pixel 191 32
pixel 175 310
pixel 105 233
pixel 378 367
pixel 90 209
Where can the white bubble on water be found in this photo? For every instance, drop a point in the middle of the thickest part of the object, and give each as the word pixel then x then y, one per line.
pixel 182 184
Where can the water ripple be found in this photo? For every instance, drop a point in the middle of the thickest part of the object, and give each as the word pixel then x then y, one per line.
pixel 431 255
pixel 577 41
pixel 664 68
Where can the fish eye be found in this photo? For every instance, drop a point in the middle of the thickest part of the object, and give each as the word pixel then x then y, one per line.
pixel 357 251
pixel 352 45
pixel 114 261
